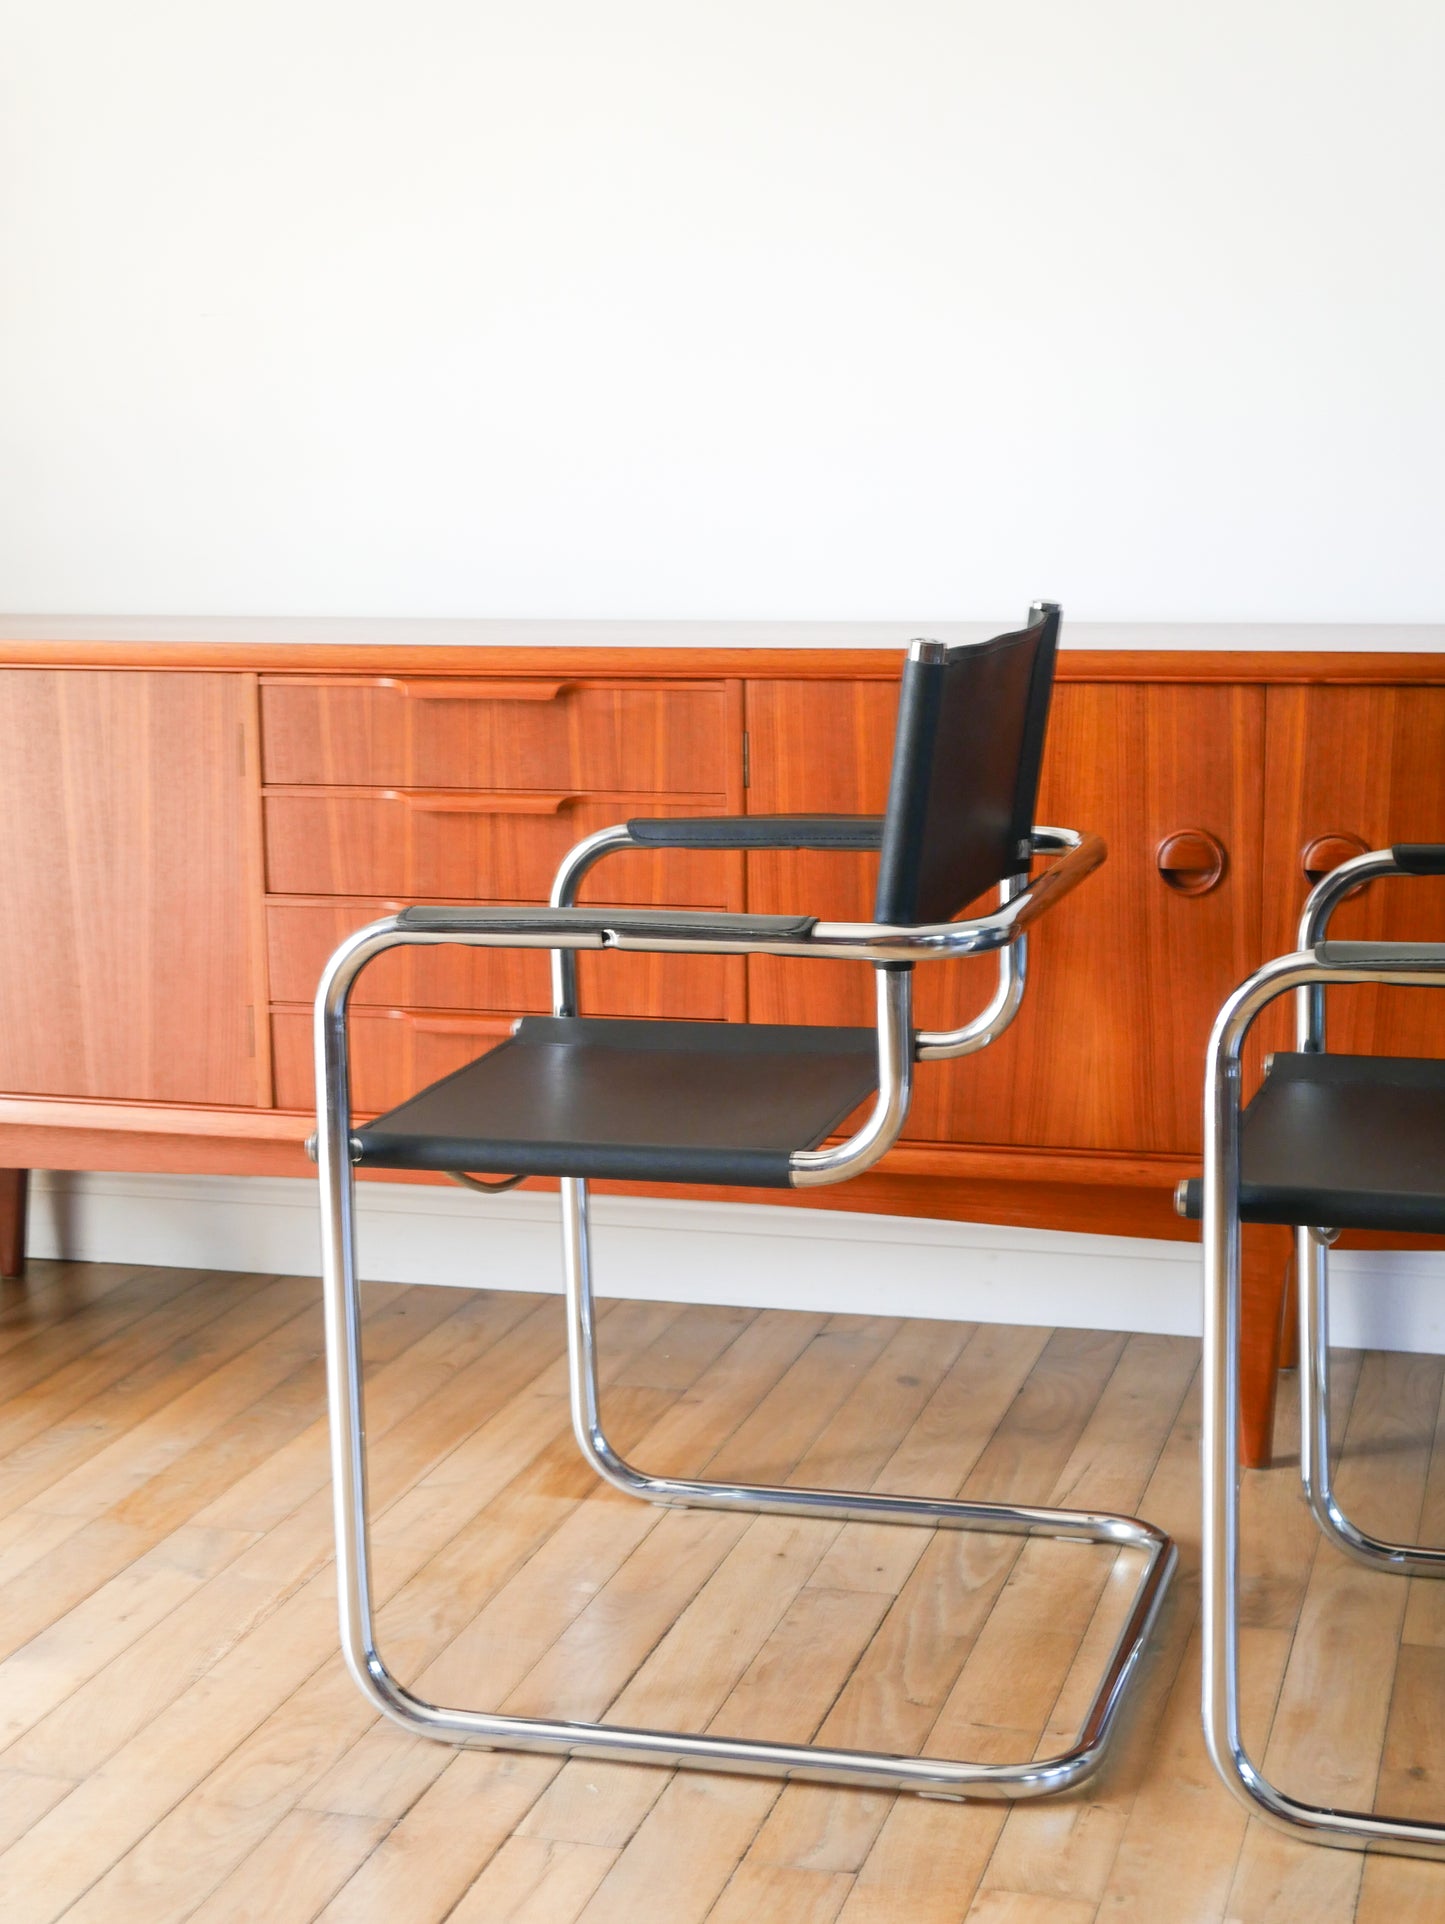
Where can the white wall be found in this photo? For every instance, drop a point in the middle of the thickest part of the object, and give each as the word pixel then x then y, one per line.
pixel 882 309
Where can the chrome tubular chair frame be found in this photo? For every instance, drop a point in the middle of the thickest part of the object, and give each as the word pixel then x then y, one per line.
pixel 1307 972
pixel 897 1047
pixel 930 1045
pixel 1312 1269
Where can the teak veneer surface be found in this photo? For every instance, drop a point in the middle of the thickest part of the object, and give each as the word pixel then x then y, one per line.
pixel 397 731
pixel 127 873
pixel 179 1739
pixel 1369 763
pixel 457 846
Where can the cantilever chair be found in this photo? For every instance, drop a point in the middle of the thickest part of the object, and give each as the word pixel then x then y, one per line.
pixel 574 1097
pixel 1329 1142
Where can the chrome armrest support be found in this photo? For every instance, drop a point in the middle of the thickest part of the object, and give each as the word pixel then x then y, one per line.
pixel 1020 902
pixel 1080 853
pixel 1324 898
pixel 877 942
pixel 812 1167
pixel 943 1045
pixel 575 864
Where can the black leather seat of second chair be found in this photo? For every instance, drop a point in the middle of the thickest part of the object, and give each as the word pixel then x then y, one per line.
pixel 1357 1142
pixel 1353 1142
pixel 689 1102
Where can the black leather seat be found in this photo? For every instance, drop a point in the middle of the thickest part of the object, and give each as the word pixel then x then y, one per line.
pixel 1357 1142
pixel 688 1102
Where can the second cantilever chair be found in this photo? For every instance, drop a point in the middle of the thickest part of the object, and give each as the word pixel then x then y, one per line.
pixel 1329 1142
pixel 575 1098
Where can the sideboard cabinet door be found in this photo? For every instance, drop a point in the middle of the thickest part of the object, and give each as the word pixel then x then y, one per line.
pixel 126 971
pixel 1124 978
pixel 1351 769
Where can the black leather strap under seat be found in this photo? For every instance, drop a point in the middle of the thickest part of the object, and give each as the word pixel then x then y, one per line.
pixel 691 1102
pixel 858 832
pixel 1344 1142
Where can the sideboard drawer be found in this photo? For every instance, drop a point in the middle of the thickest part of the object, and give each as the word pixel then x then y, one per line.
pixel 394 1053
pixel 450 845
pixel 424 732
pixel 300 935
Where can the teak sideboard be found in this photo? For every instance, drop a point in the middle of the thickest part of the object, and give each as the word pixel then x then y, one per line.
pixel 190 829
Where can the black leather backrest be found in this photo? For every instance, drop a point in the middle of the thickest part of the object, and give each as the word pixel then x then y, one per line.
pixel 971 724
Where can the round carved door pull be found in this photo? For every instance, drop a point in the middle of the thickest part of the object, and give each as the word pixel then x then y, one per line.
pixel 1191 861
pixel 1326 852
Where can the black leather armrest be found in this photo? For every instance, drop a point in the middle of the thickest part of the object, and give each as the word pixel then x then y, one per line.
pixel 1420 858
pixel 1381 955
pixel 509 919
pixel 860 832
pixel 673 924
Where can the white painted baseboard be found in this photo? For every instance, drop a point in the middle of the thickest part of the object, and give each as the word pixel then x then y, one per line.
pixel 707 1252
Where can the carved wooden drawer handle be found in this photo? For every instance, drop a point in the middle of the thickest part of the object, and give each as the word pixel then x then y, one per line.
pixel 1191 861
pixel 437 690
pixel 461 801
pixel 426 1022
pixel 1325 852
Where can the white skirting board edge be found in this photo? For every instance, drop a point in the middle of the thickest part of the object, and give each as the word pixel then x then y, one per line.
pixel 707 1252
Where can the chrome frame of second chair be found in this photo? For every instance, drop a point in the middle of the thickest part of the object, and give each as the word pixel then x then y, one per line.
pixel 1312 1247
pixel 898 1046
pixel 1316 965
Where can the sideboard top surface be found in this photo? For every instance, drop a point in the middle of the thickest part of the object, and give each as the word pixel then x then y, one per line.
pixel 592 661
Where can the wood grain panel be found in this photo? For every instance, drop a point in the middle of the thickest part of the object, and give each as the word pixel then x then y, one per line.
pixel 459 847
pixel 1368 762
pixel 1125 977
pixel 409 731
pixel 394 1053
pixel 816 748
pixel 820 748
pixel 123 873
pixel 302 934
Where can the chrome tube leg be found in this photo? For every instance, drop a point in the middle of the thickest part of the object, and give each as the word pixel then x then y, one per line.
pixel 582 1342
pixel 348 1430
pixel 1314 1377
pixel 1355 1830
pixel 1220 1429
pixel 1404 1559
pixel 1104 1528
pixel 342 1315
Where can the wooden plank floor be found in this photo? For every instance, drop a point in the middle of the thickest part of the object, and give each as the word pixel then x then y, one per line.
pixel 178 1739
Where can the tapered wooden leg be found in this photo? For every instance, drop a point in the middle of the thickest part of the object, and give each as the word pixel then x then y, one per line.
pixel 14 1194
pixel 1264 1275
